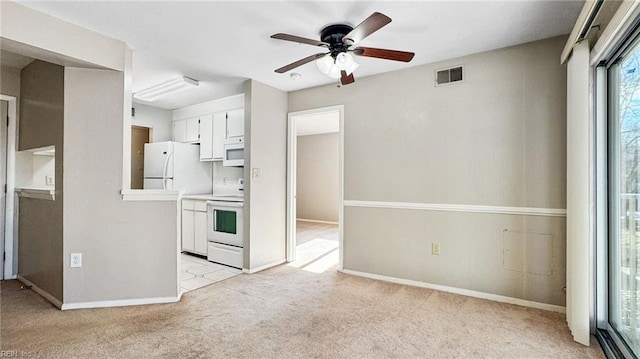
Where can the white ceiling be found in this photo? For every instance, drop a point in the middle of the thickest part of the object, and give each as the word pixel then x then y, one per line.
pixel 221 44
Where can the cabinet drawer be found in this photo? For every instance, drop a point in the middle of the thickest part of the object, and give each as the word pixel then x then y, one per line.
pixel 187 204
pixel 200 206
pixel 224 254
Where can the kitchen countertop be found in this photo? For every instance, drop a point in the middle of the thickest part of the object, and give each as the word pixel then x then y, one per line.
pixel 228 197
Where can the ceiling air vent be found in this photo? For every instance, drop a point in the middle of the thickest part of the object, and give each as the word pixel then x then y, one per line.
pixel 450 75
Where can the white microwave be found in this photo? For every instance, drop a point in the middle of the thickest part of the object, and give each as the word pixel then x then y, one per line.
pixel 233 152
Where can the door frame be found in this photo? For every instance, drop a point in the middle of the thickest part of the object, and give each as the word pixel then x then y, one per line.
pixel 10 245
pixel 292 154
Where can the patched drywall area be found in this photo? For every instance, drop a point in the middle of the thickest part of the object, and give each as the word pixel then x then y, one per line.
pixel 530 253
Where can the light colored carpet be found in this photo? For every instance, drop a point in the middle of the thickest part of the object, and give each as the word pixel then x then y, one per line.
pixel 287 312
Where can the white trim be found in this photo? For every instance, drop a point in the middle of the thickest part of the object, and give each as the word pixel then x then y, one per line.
pixel 9 241
pixel 292 144
pixel 523 211
pixel 585 15
pixel 263 267
pixel 292 149
pixel 315 221
pixel 461 291
pixel 149 195
pixel 121 302
pixel 55 301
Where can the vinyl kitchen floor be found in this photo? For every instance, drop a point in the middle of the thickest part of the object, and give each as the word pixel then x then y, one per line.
pixel 196 272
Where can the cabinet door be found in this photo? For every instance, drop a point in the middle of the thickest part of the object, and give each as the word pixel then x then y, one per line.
pixel 206 138
pixel 180 131
pixel 200 232
pixel 193 130
pixel 187 231
pixel 219 134
pixel 235 123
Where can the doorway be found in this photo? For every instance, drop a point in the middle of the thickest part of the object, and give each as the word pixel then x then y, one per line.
pixel 8 243
pixel 139 136
pixel 314 188
pixel 4 114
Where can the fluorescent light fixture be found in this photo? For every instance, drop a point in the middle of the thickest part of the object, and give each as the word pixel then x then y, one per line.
pixel 332 67
pixel 166 88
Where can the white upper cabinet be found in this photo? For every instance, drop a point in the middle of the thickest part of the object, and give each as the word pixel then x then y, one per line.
pixel 193 129
pixel 235 123
pixel 206 138
pixel 219 134
pixel 180 131
pixel 186 130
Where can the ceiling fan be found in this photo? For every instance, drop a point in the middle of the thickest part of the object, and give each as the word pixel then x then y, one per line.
pixel 339 39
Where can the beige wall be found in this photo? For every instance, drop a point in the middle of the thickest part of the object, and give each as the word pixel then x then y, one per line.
pixel 129 249
pixel 10 81
pixel 40 237
pixel 265 149
pixel 496 139
pixel 318 175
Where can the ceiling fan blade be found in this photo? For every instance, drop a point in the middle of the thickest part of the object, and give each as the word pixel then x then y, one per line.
pixel 298 39
pixel 395 55
pixel 300 62
pixel 346 79
pixel 370 25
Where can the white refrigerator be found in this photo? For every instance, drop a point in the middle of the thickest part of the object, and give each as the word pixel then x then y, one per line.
pixel 176 166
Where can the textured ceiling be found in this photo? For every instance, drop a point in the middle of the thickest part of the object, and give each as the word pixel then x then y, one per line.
pixel 222 44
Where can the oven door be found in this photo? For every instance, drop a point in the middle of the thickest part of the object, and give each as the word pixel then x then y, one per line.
pixel 224 223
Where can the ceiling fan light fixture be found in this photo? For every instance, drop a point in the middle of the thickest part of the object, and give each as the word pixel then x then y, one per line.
pixel 332 67
pixel 166 88
pixel 325 63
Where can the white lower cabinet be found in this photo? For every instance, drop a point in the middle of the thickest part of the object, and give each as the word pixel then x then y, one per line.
pixel 194 226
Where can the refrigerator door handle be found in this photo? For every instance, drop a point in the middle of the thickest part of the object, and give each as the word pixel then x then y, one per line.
pixel 164 170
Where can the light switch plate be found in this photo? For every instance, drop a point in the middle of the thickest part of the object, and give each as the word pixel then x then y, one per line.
pixel 255 173
pixel 49 180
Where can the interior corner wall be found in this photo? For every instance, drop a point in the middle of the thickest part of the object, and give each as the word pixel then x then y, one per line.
pixel 10 82
pixel 157 119
pixel 494 142
pixel 40 222
pixel 129 249
pixel 265 150
pixel 318 177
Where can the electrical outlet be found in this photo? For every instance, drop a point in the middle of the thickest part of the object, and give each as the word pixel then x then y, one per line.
pixel 255 173
pixel 224 180
pixel 76 260
pixel 435 249
pixel 49 180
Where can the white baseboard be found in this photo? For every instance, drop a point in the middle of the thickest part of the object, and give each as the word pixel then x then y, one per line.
pixel 40 291
pixel 315 221
pixel 121 302
pixel 466 292
pixel 263 267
